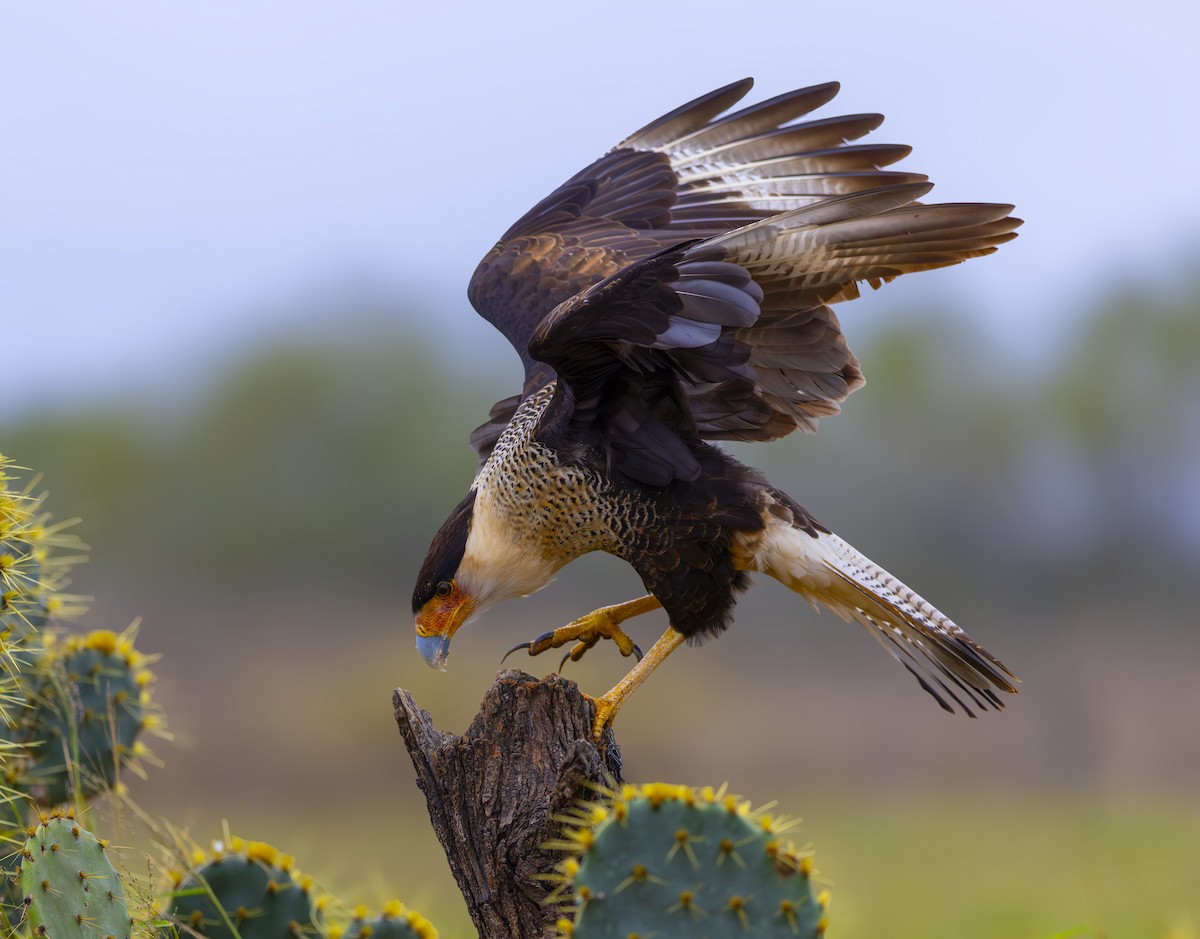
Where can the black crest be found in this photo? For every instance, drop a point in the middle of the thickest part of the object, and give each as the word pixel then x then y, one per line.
pixel 445 553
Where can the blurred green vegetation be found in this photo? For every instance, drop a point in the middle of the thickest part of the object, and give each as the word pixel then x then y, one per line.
pixel 342 453
pixel 319 455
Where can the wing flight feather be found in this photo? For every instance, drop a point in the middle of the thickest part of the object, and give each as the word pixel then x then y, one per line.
pixel 696 261
pixel 695 172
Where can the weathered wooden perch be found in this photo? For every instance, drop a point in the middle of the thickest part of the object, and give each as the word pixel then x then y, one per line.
pixel 493 792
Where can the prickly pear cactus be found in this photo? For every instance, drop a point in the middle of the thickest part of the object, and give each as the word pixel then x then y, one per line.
pixel 36 556
pixel 395 922
pixel 71 889
pixel 662 860
pixel 247 890
pixel 89 702
pixel 79 703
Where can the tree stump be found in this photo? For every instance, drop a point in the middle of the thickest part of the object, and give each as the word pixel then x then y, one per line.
pixel 493 792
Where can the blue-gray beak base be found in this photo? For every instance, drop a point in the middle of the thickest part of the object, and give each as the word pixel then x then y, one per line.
pixel 434 650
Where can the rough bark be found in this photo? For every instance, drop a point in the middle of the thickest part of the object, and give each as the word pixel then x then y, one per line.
pixel 493 792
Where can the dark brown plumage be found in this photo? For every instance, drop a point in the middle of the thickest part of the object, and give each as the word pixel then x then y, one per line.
pixel 676 292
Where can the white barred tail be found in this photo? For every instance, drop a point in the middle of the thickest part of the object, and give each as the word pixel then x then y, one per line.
pixel 824 569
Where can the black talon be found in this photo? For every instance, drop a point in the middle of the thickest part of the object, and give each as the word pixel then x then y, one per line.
pixel 637 652
pixel 563 662
pixel 519 645
pixel 529 645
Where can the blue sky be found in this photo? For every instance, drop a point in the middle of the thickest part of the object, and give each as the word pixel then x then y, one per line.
pixel 176 178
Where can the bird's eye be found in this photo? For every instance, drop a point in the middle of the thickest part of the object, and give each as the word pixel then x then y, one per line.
pixel 443 589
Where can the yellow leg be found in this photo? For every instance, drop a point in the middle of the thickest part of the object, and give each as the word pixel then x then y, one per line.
pixel 608 704
pixel 604 623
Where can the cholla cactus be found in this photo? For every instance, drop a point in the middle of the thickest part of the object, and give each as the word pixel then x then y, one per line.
pixel 664 860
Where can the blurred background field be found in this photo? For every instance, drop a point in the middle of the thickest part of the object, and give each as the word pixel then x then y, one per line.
pixel 237 347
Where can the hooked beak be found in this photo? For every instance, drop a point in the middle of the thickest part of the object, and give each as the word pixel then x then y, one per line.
pixel 434 650
pixel 436 625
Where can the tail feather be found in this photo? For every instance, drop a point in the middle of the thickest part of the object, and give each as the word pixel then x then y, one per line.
pixel 958 672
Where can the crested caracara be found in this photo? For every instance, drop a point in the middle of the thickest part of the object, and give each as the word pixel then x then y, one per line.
pixel 679 291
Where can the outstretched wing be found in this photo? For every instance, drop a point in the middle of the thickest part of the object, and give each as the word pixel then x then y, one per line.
pixel 690 174
pixel 732 336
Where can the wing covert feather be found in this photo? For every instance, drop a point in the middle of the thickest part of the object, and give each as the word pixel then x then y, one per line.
pixel 732 337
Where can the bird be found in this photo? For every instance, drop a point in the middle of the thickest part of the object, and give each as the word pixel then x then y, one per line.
pixel 676 293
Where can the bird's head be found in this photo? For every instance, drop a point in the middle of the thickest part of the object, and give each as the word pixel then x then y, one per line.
pixel 478 559
pixel 442 602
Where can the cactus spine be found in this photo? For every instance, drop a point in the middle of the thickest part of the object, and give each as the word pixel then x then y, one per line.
pixel 12 905
pixel 663 860
pixel 36 556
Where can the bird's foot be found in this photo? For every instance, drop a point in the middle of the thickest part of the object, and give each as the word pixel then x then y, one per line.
pixel 606 710
pixel 585 632
pixel 608 704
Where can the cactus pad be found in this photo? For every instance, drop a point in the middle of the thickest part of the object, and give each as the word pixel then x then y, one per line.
pixel 90 703
pixel 662 860
pixel 71 888
pixel 249 890
pixel 395 922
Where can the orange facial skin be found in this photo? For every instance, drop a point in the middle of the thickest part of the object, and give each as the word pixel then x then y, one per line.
pixel 437 622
